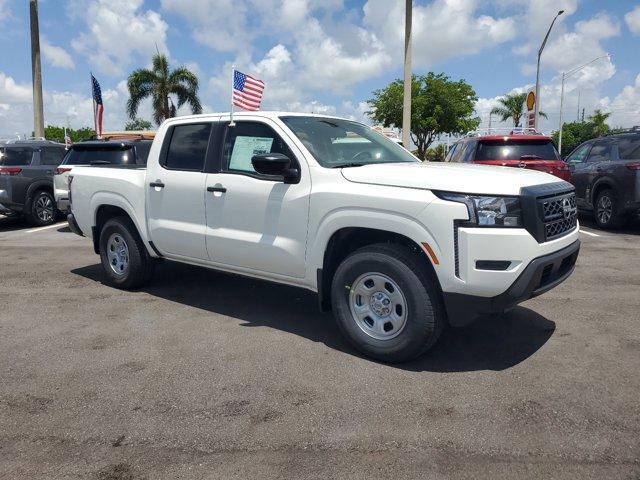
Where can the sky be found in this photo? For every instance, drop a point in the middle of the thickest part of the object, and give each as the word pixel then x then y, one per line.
pixel 321 56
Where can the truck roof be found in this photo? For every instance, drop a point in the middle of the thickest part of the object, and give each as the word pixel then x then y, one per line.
pixel 260 113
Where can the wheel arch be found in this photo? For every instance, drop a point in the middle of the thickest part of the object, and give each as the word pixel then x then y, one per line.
pixel 346 240
pixel 105 212
pixel 37 186
pixel 600 185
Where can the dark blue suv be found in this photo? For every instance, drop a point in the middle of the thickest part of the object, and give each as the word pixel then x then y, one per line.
pixel 606 174
pixel 26 179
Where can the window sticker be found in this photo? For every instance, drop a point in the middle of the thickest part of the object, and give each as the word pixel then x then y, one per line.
pixel 244 148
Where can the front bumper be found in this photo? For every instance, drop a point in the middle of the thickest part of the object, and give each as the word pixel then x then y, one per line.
pixel 539 276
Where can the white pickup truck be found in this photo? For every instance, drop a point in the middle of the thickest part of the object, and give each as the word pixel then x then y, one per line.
pixel 396 248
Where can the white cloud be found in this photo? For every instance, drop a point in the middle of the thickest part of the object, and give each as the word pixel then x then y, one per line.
pixel 56 56
pixel 625 107
pixel 442 29
pixel 633 20
pixel 118 30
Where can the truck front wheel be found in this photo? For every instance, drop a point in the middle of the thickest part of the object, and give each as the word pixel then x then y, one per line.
pixel 125 261
pixel 386 304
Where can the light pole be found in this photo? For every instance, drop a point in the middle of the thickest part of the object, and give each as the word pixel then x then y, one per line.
pixel 566 75
pixel 36 73
pixel 406 103
pixel 544 43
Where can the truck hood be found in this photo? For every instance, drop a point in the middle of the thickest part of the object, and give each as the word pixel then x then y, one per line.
pixel 449 177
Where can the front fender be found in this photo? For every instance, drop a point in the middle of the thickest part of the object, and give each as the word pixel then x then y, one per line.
pixel 364 218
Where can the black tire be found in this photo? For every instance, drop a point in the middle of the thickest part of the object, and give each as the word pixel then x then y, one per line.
pixel 425 318
pixel 139 264
pixel 606 210
pixel 42 210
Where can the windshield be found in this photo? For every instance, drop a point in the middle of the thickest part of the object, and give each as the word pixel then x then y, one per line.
pixel 335 143
pixel 78 156
pixel 516 150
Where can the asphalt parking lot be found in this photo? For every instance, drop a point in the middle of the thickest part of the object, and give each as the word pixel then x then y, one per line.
pixel 207 375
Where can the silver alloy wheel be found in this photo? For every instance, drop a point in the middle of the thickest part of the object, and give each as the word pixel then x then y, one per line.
pixel 44 208
pixel 604 209
pixel 378 306
pixel 118 254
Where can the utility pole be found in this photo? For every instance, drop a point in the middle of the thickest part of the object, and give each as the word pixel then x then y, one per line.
pixel 406 105
pixel 36 73
pixel 578 115
pixel 582 115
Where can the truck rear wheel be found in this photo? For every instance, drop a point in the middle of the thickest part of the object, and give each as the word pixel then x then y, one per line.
pixel 125 261
pixel 386 304
pixel 606 211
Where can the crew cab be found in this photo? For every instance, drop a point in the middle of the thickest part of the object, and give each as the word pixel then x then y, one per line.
pixel 518 147
pixel 395 247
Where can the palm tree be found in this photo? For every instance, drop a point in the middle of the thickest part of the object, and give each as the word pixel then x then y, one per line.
pixel 512 108
pixel 160 83
pixel 598 120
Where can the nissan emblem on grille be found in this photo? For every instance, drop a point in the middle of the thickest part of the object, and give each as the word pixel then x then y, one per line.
pixel 559 215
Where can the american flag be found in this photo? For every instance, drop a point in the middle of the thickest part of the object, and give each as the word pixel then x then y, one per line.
pixel 98 108
pixel 247 91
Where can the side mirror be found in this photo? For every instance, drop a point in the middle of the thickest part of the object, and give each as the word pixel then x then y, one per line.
pixel 275 164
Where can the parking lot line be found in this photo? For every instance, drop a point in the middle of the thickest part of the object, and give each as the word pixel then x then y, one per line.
pixel 45 228
pixel 589 233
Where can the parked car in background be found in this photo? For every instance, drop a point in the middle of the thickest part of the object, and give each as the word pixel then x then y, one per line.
pixel 522 148
pixel 128 135
pixel 26 179
pixel 97 152
pixel 606 174
pixel 397 248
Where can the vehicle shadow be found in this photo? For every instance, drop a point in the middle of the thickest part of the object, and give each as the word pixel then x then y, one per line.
pixel 632 227
pixel 11 223
pixel 491 343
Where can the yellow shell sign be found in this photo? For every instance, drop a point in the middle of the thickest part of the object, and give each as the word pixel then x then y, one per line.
pixel 531 100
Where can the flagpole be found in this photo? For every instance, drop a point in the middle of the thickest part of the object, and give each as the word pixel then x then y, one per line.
pixel 93 101
pixel 233 74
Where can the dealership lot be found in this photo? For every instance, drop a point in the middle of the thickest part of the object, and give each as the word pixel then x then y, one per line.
pixel 207 375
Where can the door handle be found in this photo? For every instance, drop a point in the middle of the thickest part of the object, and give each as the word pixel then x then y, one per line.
pixel 216 189
pixel 156 184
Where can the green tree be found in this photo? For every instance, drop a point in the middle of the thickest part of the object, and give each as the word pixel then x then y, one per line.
pixel 512 108
pixel 160 83
pixel 598 122
pixel 438 105
pixel 138 124
pixel 56 133
pixel 437 153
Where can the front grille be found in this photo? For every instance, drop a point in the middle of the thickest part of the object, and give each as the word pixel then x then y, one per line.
pixel 559 215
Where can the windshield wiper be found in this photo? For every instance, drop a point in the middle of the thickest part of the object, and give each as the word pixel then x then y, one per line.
pixel 100 162
pixel 347 165
pixel 529 157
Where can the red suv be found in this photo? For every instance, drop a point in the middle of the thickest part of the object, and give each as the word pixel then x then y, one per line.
pixel 523 149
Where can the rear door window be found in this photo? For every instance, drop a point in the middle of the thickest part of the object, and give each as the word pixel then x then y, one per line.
pixel 15 156
pixel 52 155
pixel 142 152
pixel 188 147
pixel 516 150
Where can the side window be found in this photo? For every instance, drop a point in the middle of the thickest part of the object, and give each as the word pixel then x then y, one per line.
pixel 188 147
pixel 579 155
pixel 629 148
pixel 51 155
pixel 459 152
pixel 601 152
pixel 247 139
pixel 451 153
pixel 469 152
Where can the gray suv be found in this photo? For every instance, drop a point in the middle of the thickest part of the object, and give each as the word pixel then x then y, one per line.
pixel 26 179
pixel 606 174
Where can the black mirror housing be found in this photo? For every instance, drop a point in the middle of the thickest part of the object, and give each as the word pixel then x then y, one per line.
pixel 275 164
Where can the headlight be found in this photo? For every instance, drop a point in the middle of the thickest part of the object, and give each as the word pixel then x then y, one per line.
pixel 486 211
